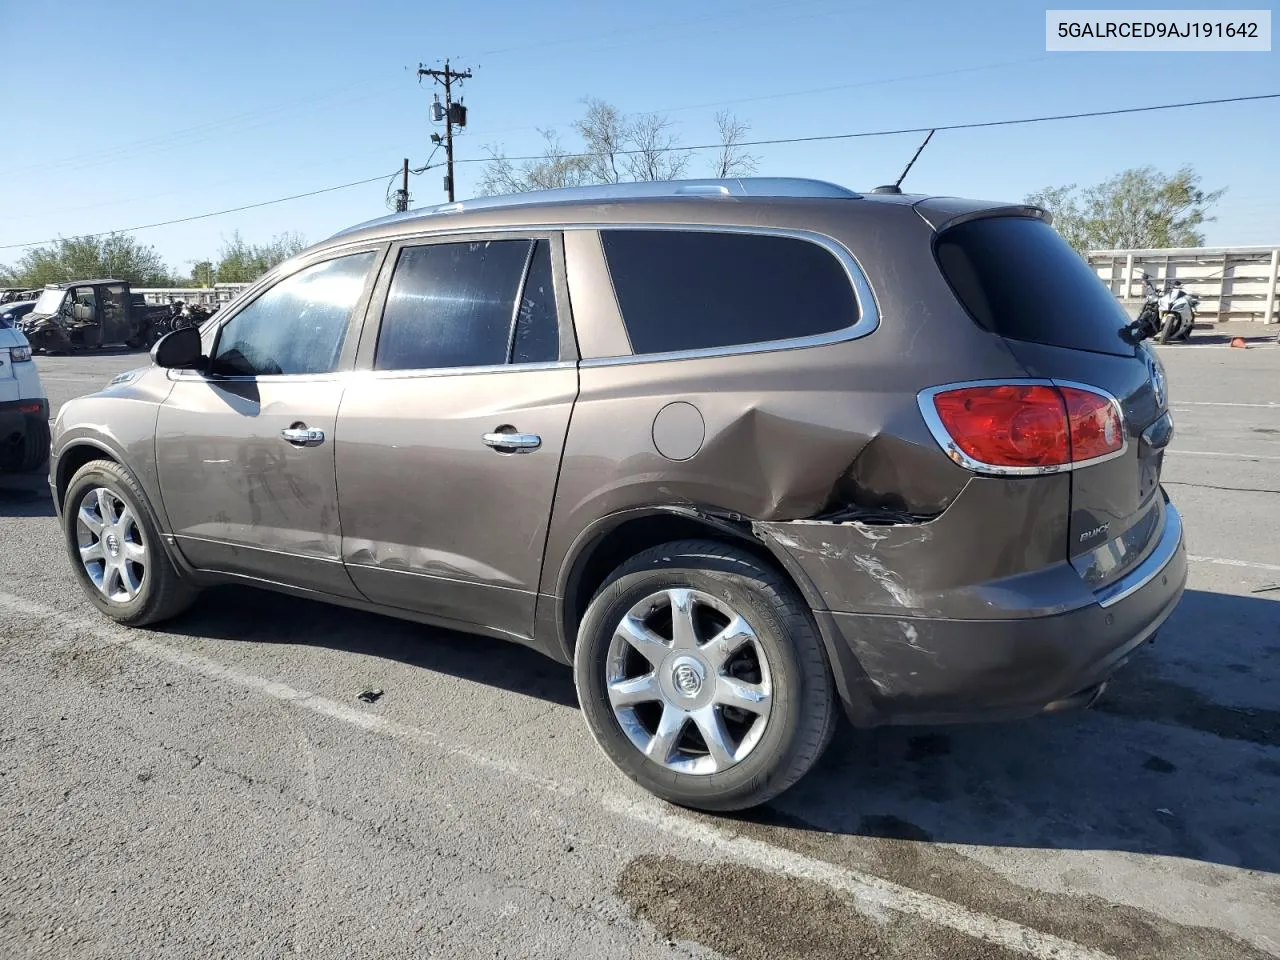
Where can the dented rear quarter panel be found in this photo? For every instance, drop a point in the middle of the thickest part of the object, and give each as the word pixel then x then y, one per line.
pixel 791 433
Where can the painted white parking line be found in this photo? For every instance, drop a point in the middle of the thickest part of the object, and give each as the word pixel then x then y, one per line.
pixel 1228 456
pixel 1236 563
pixel 1222 403
pixel 872 895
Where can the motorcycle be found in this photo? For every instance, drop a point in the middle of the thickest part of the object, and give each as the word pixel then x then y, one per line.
pixel 182 315
pixel 1177 313
pixel 1147 324
pixel 1165 316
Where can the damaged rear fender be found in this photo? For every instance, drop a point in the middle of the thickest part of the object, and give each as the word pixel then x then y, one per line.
pixel 608 542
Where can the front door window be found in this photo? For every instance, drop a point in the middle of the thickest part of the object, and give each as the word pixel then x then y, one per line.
pixel 296 327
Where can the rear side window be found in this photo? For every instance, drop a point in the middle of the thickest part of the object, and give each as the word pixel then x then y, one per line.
pixel 692 290
pixel 455 305
pixel 1018 278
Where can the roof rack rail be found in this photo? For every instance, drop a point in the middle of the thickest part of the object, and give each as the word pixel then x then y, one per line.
pixel 606 192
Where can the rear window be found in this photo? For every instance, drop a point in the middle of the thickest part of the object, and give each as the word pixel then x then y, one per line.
pixel 1019 278
pixel 692 289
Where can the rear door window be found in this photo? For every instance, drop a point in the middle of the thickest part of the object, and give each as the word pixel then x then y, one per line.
pixel 470 304
pixel 692 290
pixel 1018 278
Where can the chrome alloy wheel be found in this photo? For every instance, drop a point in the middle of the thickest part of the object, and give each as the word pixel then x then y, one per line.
pixel 689 681
pixel 112 550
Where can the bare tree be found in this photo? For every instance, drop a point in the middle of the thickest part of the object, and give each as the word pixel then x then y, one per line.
pixel 605 134
pixel 615 147
pixel 733 160
pixel 655 152
pixel 557 167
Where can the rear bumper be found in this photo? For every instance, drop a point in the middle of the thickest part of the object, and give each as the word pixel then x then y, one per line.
pixel 17 417
pixel 926 670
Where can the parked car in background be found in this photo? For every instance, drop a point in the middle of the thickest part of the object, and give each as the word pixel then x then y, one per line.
pixel 24 405
pixel 11 313
pixel 742 452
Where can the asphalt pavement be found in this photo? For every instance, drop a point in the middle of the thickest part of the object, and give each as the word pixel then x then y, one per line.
pixel 215 787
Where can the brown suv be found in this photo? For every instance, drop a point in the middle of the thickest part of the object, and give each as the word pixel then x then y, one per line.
pixel 739 451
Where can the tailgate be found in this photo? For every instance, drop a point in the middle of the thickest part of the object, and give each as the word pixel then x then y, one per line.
pixel 1117 512
pixel 1019 279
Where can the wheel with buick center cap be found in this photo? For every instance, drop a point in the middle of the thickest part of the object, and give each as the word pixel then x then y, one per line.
pixel 114 546
pixel 702 676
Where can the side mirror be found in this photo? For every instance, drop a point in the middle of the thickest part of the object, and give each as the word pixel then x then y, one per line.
pixel 179 350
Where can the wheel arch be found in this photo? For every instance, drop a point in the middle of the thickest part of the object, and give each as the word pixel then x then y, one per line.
pixel 75 452
pixel 608 542
pixel 74 456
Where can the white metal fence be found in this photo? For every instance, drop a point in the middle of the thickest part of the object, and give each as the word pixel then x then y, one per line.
pixel 1233 283
pixel 207 296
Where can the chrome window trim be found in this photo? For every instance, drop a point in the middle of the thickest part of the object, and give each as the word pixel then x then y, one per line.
pixel 345 376
pixel 331 376
pixel 1150 568
pixel 868 309
pixel 924 400
pixel 461 371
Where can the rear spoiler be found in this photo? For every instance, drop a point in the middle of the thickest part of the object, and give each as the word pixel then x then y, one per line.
pixel 943 212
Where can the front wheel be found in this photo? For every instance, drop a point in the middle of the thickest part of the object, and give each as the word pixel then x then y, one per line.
pixel 1170 324
pixel 702 676
pixel 114 546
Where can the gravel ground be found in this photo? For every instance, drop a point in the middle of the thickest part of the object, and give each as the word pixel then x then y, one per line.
pixel 214 788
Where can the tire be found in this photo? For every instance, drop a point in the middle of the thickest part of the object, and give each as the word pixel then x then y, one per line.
pixel 32 452
pixel 784 652
pixel 161 593
pixel 1170 323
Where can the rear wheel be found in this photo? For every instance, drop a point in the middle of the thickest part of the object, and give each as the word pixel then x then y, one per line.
pixel 702 676
pixel 31 452
pixel 114 546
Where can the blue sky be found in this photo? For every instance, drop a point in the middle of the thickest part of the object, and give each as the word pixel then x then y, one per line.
pixel 166 110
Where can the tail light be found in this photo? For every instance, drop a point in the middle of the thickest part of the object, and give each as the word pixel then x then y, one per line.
pixel 19 354
pixel 1024 427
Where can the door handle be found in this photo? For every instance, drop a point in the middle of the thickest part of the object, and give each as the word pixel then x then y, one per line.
pixel 513 442
pixel 302 436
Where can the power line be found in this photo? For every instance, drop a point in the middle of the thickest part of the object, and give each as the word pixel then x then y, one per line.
pixel 752 143
pixel 791 94
pixel 202 216
pixel 977 125
pixel 192 135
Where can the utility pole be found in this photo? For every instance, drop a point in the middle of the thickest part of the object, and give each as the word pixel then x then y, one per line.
pixel 402 195
pixel 453 114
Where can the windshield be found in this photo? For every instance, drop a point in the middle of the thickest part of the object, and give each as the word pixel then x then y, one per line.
pixel 50 301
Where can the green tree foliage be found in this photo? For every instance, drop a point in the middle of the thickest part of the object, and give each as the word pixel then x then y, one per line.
pixel 1138 209
pixel 118 256
pixel 202 273
pixel 614 148
pixel 243 262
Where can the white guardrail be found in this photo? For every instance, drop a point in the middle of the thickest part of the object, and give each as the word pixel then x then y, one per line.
pixel 206 296
pixel 1233 283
